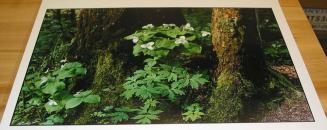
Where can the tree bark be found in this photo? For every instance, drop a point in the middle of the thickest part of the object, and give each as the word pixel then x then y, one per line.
pixel 240 63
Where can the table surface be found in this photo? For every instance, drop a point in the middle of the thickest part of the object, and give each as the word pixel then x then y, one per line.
pixel 17 18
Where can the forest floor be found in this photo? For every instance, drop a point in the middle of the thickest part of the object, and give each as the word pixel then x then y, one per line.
pixel 296 109
pixel 290 111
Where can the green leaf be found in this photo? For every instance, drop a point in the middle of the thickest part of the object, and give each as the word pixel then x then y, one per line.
pixel 80 71
pixel 52 106
pixel 118 117
pixel 193 112
pixel 137 49
pixel 73 102
pixel 165 43
pixel 35 101
pixel 172 77
pixel 53 86
pixel 150 62
pixel 197 80
pixel 144 120
pixel 92 99
pixel 192 48
pixel 159 53
pixel 83 94
pixel 54 119
pixel 128 93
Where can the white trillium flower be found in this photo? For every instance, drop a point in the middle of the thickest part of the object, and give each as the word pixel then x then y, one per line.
pixel 205 33
pixel 168 25
pixel 181 40
pixel 52 102
pixel 171 25
pixel 63 61
pixel 149 45
pixel 135 39
pixel 188 27
pixel 47 71
pixel 44 79
pixel 148 26
pixel 165 25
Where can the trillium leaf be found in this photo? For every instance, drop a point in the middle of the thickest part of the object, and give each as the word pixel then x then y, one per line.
pixel 192 48
pixel 80 71
pixel 53 86
pixel 92 99
pixel 165 43
pixel 83 94
pixel 55 119
pixel 53 108
pixel 73 102
pixel 137 49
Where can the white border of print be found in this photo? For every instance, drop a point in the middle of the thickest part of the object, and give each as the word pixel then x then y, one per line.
pixel 320 122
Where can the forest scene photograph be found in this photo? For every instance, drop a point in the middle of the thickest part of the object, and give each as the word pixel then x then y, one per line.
pixel 108 66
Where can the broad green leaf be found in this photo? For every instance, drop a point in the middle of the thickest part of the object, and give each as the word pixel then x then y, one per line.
pixel 53 86
pixel 80 71
pixel 73 102
pixel 92 99
pixel 192 48
pixel 83 93
pixel 137 49
pixel 165 43
pixel 53 106
pixel 54 119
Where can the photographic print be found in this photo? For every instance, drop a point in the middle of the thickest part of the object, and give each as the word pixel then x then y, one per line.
pixel 158 65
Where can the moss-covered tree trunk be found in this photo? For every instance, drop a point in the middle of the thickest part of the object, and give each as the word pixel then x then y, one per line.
pixel 233 40
pixel 99 45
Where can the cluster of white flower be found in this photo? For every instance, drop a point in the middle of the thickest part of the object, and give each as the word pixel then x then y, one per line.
pixel 135 39
pixel 149 45
pixel 181 40
pixel 52 102
pixel 148 26
pixel 168 25
pixel 205 33
pixel 188 27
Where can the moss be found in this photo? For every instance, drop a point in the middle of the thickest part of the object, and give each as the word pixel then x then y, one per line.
pixel 226 101
pixel 109 76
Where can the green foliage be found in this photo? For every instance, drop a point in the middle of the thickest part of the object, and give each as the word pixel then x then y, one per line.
pixel 143 115
pixel 200 18
pixel 81 97
pixel 167 39
pixel 161 81
pixel 193 112
pixel 54 119
pixel 163 75
pixel 147 113
pixel 51 93
pixel 278 53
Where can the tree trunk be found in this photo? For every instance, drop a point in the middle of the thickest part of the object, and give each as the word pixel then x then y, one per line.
pixel 235 43
pixel 108 58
